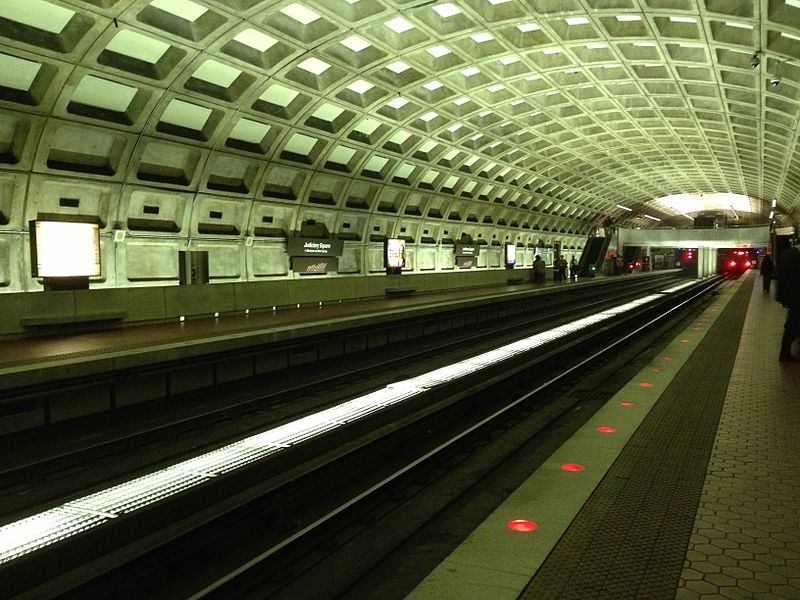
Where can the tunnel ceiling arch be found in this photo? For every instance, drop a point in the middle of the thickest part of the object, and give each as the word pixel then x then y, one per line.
pixel 539 114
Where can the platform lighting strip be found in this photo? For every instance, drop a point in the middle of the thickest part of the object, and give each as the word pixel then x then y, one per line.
pixel 678 288
pixel 54 525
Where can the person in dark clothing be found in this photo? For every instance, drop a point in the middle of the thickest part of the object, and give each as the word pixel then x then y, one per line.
pixel 788 294
pixel 538 270
pixel 767 270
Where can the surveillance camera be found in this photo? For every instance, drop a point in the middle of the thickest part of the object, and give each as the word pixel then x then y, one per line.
pixel 775 80
pixel 755 60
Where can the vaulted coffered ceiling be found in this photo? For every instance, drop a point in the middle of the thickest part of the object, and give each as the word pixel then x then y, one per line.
pixel 553 111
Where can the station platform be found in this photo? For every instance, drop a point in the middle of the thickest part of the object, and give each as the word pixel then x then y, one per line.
pixel 685 485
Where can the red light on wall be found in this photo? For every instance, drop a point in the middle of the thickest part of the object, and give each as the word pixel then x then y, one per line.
pixel 522 525
pixel 573 467
pixel 606 429
pixel 628 403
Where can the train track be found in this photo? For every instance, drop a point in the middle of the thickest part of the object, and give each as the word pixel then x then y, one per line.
pixel 440 422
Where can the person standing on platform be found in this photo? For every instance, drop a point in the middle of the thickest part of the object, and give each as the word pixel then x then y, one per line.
pixel 562 269
pixel 789 295
pixel 767 270
pixel 538 270
pixel 573 269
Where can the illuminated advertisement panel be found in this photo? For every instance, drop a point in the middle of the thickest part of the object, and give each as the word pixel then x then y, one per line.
pixel 65 249
pixel 511 255
pixel 395 253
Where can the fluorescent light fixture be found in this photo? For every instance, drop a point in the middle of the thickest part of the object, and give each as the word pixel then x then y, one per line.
pixel 645 44
pixel 738 25
pixel 771 214
pixel 790 36
pixel 510 60
pixel 528 27
pixel 455 127
pixel 554 50
pixel 651 217
pixel 433 85
pixel 596 45
pixel 461 101
pixel 628 18
pixel 429 116
pixel 683 19
pixel 470 71
pixel 775 200
pixel 624 207
pixel 496 88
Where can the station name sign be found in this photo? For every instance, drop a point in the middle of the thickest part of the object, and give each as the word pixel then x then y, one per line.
pixel 299 246
pixel 467 249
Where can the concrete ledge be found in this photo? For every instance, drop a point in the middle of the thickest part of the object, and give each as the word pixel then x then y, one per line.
pixel 403 291
pixel 72 319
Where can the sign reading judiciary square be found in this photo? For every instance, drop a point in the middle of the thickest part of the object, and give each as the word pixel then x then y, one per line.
pixel 301 246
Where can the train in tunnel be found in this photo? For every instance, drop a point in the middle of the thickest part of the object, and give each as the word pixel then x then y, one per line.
pixel 737 260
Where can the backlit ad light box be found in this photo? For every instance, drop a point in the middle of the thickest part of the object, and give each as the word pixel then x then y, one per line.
pixel 395 253
pixel 511 255
pixel 65 249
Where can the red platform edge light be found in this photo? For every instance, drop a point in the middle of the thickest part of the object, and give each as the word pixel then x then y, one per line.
pixel 524 525
pixel 684 341
pixel 644 384
pixel 626 403
pixel 573 467
pixel 605 429
pixel 667 358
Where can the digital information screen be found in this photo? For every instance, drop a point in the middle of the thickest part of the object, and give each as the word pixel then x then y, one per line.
pixel 65 249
